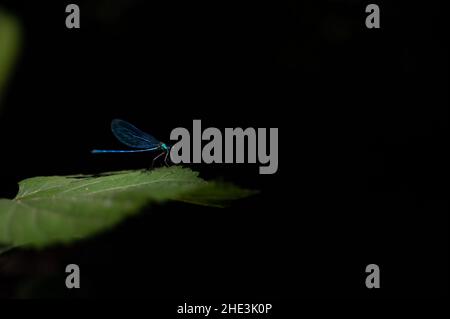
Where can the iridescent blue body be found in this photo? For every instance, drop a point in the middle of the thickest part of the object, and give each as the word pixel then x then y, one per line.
pixel 131 136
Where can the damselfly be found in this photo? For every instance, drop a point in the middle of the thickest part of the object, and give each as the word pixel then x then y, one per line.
pixel 133 137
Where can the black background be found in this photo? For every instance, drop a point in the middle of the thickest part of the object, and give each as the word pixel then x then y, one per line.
pixel 363 122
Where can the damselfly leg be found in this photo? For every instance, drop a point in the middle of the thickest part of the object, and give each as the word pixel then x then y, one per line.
pixel 165 158
pixel 153 162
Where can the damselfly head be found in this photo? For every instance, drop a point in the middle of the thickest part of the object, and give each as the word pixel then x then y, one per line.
pixel 165 147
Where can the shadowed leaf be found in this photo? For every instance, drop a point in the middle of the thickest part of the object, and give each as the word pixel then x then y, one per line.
pixel 9 46
pixel 56 209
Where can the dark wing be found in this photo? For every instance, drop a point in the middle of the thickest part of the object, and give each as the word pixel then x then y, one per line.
pixel 132 136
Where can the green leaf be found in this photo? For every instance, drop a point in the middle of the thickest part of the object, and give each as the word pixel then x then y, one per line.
pixel 60 209
pixel 5 249
pixel 10 36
